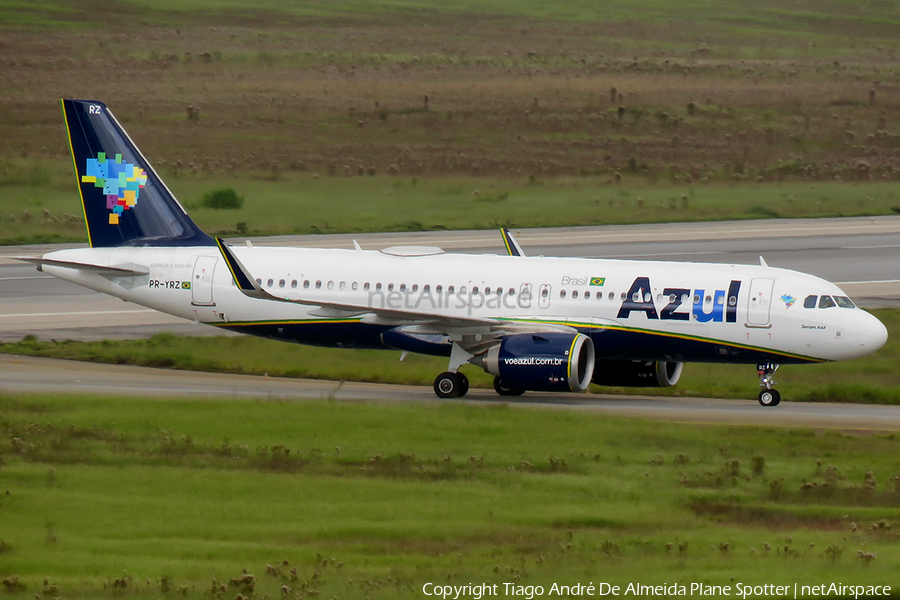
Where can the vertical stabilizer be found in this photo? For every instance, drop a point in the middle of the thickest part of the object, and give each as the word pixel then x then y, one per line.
pixel 124 200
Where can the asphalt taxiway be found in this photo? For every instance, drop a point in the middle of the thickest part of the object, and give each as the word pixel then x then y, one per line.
pixel 29 375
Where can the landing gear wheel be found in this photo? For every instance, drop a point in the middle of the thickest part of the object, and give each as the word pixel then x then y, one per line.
pixel 463 384
pixel 451 385
pixel 504 390
pixel 769 397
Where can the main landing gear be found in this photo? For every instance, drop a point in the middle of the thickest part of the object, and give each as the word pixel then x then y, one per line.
pixel 768 396
pixel 451 385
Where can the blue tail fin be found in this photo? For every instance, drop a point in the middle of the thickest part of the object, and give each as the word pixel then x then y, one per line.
pixel 125 202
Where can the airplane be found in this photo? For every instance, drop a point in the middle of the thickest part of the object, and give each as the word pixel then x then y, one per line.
pixel 541 324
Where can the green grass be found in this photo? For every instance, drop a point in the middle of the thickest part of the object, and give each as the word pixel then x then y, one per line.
pixel 872 379
pixel 303 204
pixel 769 28
pixel 744 111
pixel 376 500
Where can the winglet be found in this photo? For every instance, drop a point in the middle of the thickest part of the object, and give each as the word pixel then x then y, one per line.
pixel 762 262
pixel 512 246
pixel 242 279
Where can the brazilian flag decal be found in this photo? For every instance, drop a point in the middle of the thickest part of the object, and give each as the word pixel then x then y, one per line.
pixel 185 285
pixel 598 280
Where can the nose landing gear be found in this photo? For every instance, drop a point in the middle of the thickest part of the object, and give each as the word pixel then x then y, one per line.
pixel 768 396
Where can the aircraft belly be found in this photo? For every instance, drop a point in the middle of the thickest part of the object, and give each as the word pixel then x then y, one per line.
pixel 636 344
pixel 323 333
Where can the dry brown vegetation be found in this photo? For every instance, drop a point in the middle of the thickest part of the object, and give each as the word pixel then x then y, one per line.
pixel 425 93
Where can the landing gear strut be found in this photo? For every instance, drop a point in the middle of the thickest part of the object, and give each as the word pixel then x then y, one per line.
pixel 768 396
pixel 451 385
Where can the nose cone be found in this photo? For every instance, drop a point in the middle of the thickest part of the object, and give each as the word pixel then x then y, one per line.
pixel 872 334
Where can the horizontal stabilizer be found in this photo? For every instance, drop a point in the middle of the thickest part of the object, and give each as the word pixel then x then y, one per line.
pixel 125 270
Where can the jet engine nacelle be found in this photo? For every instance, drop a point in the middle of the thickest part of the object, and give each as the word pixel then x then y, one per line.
pixel 625 373
pixel 543 362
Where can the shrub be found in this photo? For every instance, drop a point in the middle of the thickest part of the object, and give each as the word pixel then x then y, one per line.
pixel 222 198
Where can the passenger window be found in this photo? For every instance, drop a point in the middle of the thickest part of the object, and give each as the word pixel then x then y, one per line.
pixel 426 289
pixel 415 287
pixel 475 291
pixel 575 294
pixel 439 289
pixel 319 284
pixel 587 295
pixel 366 286
pixel 810 302
pixel 402 287
pixel 826 302
pixel 732 301
pixel 259 282
pixel 281 283
pixel 450 289
pixel 294 283
pixel 269 283
pixel 355 286
pixel 462 290
pixel 545 292
pixel 377 287
pixel 511 292
pixel 390 287
pixel 343 285
pixel 562 293
pixel 330 285
pixel 306 284
pixel 624 295
pixel 612 296
pixel 844 302
pixel 487 291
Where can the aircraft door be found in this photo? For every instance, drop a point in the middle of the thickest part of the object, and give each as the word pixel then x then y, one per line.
pixel 201 281
pixel 544 296
pixel 759 302
pixel 525 295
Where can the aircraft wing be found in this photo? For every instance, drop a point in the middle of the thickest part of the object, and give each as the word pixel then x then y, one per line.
pixel 374 315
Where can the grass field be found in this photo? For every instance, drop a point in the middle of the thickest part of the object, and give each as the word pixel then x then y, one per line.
pixel 742 110
pixel 123 497
pixel 872 379
pixel 296 203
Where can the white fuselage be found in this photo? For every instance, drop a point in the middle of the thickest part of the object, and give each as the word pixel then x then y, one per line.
pixel 640 310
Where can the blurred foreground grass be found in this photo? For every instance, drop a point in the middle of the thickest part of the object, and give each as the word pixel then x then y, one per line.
pixel 147 498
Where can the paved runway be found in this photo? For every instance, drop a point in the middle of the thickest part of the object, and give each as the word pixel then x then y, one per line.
pixel 858 253
pixel 50 376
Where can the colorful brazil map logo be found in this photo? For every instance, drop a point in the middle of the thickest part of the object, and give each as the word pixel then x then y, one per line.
pixel 121 182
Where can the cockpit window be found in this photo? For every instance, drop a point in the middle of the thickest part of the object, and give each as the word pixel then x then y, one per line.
pixel 844 302
pixel 826 302
pixel 810 302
